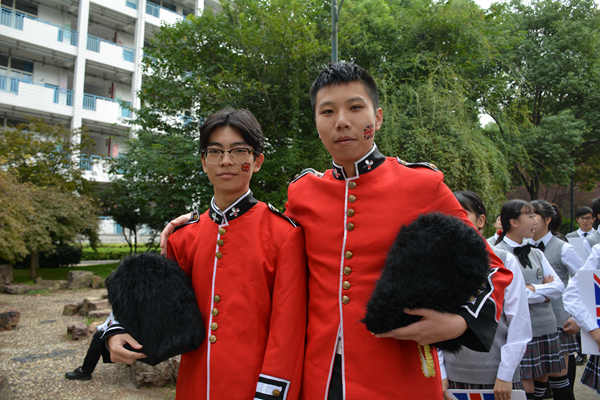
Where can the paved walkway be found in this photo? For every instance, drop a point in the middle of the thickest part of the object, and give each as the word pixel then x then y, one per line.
pixel 96 262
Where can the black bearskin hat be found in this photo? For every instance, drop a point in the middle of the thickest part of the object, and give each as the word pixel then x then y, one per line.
pixel 437 262
pixel 154 300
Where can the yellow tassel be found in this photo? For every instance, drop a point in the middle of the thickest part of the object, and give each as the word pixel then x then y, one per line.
pixel 427 364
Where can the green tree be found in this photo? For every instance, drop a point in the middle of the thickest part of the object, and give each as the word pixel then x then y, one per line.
pixel 16 206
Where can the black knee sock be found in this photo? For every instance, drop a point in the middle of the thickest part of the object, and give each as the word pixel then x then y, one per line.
pixel 539 389
pixel 530 396
pixel 571 373
pixel 561 388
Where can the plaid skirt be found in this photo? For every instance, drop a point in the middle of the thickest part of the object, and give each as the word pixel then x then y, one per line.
pixel 543 355
pixel 568 342
pixel 591 372
pixel 474 386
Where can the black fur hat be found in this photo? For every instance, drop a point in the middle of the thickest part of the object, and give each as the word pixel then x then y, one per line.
pixel 154 300
pixel 437 262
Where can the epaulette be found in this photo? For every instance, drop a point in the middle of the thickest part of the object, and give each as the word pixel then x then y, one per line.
pixel 418 164
pixel 193 219
pixel 307 171
pixel 276 211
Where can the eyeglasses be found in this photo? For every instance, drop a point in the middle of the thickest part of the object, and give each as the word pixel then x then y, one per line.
pixel 586 218
pixel 238 156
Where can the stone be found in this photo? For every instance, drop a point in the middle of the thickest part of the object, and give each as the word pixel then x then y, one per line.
pixel 99 314
pixel 97 282
pixel 21 288
pixel 94 326
pixel 157 376
pixel 79 279
pixel 93 304
pixel 72 308
pixel 78 330
pixel 9 318
pixel 6 274
pixel 5 393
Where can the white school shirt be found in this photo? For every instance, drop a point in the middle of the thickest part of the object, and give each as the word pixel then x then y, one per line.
pixel 568 254
pixel 519 325
pixel 572 299
pixel 552 290
pixel 580 232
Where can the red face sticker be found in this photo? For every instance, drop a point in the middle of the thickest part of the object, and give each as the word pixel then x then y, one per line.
pixel 246 167
pixel 368 132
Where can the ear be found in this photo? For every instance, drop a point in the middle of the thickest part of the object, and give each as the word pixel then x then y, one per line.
pixel 480 222
pixel 203 164
pixel 378 119
pixel 258 162
pixel 514 223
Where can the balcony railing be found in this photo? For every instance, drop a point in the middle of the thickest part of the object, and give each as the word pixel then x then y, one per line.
pixel 87 161
pixel 153 9
pixel 61 96
pixel 131 4
pixel 14 19
pixel 93 44
pixel 89 103
pixel 125 112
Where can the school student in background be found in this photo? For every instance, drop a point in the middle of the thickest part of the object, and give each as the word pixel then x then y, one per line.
pixel 544 354
pixel 566 262
pixel 593 239
pixel 499 369
pixel 581 318
pixel 585 219
pixel 498 225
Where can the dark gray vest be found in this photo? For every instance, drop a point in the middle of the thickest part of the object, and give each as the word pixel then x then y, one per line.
pixel 543 321
pixel 593 239
pixel 553 253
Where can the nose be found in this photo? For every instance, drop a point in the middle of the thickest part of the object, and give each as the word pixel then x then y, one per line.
pixel 342 121
pixel 226 159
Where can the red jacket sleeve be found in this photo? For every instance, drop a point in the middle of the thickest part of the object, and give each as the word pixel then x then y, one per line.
pixel 281 373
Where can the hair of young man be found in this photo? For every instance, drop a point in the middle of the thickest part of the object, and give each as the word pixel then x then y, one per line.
pixel 512 209
pixel 583 211
pixel 596 207
pixel 242 119
pixel 470 201
pixel 343 73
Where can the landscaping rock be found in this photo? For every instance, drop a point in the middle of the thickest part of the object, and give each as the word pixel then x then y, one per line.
pixel 5 393
pixel 79 279
pixel 94 326
pixel 78 330
pixel 9 318
pixel 72 308
pixel 99 314
pixel 21 288
pixel 6 274
pixel 157 376
pixel 93 304
pixel 97 282
pixel 51 284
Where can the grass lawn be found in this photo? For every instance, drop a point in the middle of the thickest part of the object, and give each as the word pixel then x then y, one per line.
pixel 23 275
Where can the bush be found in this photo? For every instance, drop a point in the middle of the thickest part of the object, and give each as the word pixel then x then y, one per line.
pixel 109 253
pixel 63 256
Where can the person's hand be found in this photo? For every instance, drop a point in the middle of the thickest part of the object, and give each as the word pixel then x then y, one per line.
pixel 548 279
pixel 502 390
pixel 118 353
pixel 182 219
pixel 596 335
pixel 445 386
pixel 530 287
pixel 570 327
pixel 432 328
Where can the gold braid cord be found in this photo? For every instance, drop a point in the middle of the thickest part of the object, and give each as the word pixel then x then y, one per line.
pixel 427 364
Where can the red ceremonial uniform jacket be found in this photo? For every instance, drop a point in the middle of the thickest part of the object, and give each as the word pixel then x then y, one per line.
pixel 248 269
pixel 349 225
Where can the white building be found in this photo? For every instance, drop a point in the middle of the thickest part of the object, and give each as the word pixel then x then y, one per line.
pixel 71 61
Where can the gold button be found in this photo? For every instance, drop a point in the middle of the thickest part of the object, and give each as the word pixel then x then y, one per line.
pixel 215 312
pixel 472 298
pixel 217 298
pixel 346 285
pixel 222 231
pixel 212 338
pixel 219 255
pixel 348 255
pixel 351 184
pixel 345 299
pixel 214 326
pixel 276 393
pixel 347 270
pixel 220 242
pixel 350 212
pixel 352 198
pixel 350 226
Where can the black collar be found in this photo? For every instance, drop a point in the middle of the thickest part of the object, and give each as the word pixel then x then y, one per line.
pixel 367 163
pixel 235 210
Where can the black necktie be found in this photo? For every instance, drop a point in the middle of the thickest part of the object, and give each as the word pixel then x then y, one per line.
pixel 522 254
pixel 584 234
pixel 541 246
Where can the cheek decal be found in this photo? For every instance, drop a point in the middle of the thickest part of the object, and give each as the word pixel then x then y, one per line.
pixel 246 167
pixel 368 132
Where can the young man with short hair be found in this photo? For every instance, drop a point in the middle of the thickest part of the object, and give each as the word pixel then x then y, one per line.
pixel 585 219
pixel 351 215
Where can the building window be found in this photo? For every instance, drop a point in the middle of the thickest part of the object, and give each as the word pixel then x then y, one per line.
pixel 16 68
pixel 21 6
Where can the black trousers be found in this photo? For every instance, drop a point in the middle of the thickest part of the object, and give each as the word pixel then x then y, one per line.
pixel 93 354
pixel 336 392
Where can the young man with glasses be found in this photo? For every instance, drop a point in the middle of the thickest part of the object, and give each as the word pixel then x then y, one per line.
pixel 585 219
pixel 351 215
pixel 248 269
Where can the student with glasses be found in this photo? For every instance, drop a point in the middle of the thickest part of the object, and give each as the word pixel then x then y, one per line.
pixel 585 219
pixel 248 269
